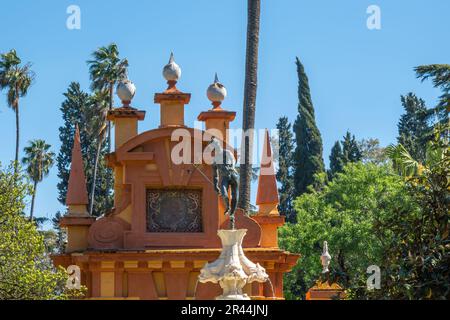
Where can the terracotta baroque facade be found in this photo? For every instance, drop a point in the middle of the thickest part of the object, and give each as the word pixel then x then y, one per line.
pixel 163 227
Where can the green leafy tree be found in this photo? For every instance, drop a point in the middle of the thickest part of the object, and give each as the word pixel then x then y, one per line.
pixel 285 173
pixel 413 129
pixel 422 246
pixel 26 271
pixel 38 159
pixel 346 214
pixel 308 153
pixel 16 79
pixel 372 152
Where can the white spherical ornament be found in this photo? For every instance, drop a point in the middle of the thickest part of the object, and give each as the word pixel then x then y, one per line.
pixel 126 90
pixel 172 71
pixel 216 92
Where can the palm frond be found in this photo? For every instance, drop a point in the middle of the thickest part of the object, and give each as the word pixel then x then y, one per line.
pixel 402 161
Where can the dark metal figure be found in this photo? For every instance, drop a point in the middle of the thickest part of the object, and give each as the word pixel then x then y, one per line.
pixel 224 168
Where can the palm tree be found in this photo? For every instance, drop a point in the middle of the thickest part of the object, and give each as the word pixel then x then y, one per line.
pixel 17 80
pixel 251 77
pixel 106 69
pixel 97 131
pixel 38 160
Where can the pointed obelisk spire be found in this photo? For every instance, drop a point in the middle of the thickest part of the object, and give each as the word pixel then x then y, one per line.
pixel 77 219
pixel 267 196
pixel 76 189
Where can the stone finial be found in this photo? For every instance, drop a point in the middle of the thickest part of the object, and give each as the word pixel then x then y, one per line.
pixel 267 183
pixel 172 72
pixel 325 258
pixel 76 189
pixel 125 91
pixel 216 93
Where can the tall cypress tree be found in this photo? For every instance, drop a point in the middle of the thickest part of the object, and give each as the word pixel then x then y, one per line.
pixel 308 153
pixel 78 108
pixel 413 129
pixel 285 175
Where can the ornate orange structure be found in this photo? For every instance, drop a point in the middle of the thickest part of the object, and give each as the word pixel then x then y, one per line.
pixel 325 291
pixel 163 227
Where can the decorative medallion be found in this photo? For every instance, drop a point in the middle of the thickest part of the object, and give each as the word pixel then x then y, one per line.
pixel 174 210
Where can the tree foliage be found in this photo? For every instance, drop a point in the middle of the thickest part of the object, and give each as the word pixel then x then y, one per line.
pixel 345 213
pixel 350 149
pixel 344 152
pixel 336 160
pixel 285 173
pixel 26 271
pixel 80 108
pixel 420 258
pixel 372 152
pixel 413 129
pixel 16 79
pixel 61 236
pixel 38 159
pixel 440 76
pixel 308 153
pixel 106 68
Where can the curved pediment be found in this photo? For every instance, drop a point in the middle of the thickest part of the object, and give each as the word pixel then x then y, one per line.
pixel 143 147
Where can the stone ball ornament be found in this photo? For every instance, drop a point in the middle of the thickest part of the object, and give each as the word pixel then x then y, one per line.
pixel 216 92
pixel 126 90
pixel 172 71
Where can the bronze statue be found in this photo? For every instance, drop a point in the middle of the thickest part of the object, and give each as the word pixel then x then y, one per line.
pixel 224 169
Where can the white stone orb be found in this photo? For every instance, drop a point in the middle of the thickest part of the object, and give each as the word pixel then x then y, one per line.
pixel 172 71
pixel 126 90
pixel 216 92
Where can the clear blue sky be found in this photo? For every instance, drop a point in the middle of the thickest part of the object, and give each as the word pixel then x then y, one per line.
pixel 356 75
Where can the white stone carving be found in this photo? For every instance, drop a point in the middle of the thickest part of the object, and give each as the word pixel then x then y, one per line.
pixel 232 270
pixel 325 258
